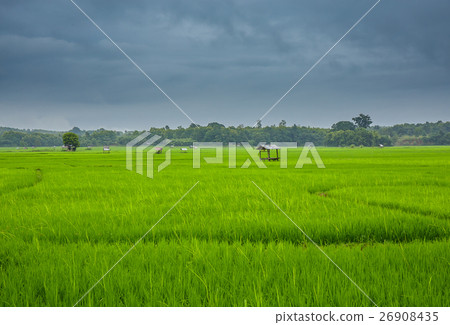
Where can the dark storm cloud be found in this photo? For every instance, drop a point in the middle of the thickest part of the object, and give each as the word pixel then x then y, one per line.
pixel 221 60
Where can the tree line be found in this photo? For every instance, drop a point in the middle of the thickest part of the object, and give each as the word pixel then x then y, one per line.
pixel 357 132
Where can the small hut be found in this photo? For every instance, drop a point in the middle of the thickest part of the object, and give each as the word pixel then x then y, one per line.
pixel 268 152
pixel 158 150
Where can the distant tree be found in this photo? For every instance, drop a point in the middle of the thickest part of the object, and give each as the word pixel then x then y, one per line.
pixel 104 137
pixel 32 140
pixel 385 141
pixel 342 134
pixel 11 138
pixel 71 140
pixel 366 138
pixel 438 139
pixel 215 125
pixel 409 140
pixel 358 137
pixel 343 126
pixel 85 140
pixel 282 123
pixel 214 134
pixel 258 124
pixel 76 130
pixel 362 121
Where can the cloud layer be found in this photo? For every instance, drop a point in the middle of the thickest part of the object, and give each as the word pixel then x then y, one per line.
pixel 225 61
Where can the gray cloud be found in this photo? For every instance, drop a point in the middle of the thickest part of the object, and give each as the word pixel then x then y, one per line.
pixel 226 61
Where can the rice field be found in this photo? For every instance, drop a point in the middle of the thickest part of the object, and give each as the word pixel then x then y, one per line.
pixel 382 215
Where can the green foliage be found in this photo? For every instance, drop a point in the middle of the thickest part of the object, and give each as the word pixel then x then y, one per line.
pixel 215 125
pixel 40 139
pixel 14 139
pixel 408 140
pixel 420 129
pixel 71 139
pixel 343 126
pixel 182 142
pixel 103 137
pixel 430 134
pixel 11 138
pixel 76 130
pixel 358 137
pixel 362 121
pixel 440 138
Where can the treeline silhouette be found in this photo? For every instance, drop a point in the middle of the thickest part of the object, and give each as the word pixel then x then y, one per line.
pixel 343 133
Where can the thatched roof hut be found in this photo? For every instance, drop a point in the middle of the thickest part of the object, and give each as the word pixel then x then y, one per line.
pixel 268 149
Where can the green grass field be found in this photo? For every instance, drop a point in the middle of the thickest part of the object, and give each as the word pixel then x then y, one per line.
pixel 381 214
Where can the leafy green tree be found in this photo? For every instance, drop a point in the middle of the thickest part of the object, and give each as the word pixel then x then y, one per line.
pixel 362 121
pixel 366 138
pixel 343 126
pixel 71 140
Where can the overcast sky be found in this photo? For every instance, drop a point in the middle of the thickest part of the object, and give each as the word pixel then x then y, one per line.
pixel 225 61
